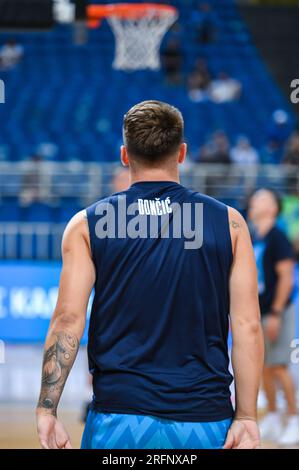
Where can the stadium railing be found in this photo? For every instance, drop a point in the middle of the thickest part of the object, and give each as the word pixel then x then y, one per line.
pixel 37 199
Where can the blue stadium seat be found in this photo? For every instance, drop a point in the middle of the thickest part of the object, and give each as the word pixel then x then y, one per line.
pixel 71 97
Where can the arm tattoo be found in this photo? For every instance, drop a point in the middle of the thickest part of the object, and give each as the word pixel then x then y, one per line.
pixel 235 224
pixel 57 363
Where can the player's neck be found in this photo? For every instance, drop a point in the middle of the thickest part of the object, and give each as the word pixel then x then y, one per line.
pixel 154 174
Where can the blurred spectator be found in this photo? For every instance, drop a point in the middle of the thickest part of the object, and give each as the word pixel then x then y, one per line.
pixel 205 19
pixel 47 150
pixel 243 153
pixel 279 128
pixel 10 55
pixel 275 263
pixel 175 32
pixel 199 81
pixel 217 150
pixel 270 153
pixel 224 89
pixel 172 59
pixel 32 187
pixel 291 156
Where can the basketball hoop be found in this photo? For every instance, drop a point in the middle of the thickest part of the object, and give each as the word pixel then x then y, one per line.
pixel 138 30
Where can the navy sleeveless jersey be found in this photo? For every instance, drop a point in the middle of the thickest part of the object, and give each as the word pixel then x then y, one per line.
pixel 159 321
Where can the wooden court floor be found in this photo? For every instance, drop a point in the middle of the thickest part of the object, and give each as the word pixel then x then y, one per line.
pixel 17 428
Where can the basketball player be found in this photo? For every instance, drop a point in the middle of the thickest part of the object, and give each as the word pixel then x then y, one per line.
pixel 159 323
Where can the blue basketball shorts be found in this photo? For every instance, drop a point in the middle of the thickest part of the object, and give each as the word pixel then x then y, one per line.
pixel 126 431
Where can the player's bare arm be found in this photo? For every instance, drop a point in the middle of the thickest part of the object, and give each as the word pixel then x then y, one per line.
pixel 65 331
pixel 248 346
pixel 58 360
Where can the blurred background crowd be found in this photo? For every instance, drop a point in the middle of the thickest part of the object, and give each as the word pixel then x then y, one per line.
pixel 226 64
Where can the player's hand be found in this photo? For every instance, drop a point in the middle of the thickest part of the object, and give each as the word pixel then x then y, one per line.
pixel 51 432
pixel 272 327
pixel 243 434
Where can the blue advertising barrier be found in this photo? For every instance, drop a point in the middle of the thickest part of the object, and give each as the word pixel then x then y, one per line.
pixel 28 293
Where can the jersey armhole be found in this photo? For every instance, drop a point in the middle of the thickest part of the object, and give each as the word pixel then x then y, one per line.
pixel 91 242
pixel 231 244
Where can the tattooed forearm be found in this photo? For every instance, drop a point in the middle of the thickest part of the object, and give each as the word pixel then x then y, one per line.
pixel 235 224
pixel 57 363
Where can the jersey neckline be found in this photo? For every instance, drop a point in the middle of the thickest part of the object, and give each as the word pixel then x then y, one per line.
pixel 153 183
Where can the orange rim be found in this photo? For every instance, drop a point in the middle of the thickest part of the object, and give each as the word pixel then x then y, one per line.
pixel 127 10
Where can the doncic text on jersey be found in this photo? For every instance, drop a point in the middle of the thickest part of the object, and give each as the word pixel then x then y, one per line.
pixel 150 218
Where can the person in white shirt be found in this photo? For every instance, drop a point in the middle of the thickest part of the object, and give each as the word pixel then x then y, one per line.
pixel 10 54
pixel 224 89
pixel 243 153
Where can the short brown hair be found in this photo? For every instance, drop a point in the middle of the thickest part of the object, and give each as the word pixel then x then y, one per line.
pixel 153 130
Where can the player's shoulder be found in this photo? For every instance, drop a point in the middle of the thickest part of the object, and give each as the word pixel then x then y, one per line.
pixel 96 207
pixel 238 227
pixel 236 222
pixel 235 217
pixel 213 203
pixel 77 221
pixel 209 201
pixel 76 229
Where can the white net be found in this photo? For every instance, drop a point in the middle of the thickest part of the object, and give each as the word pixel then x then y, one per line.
pixel 138 41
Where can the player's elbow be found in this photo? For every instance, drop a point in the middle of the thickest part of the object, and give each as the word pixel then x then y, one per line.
pixel 255 328
pixel 67 318
pixel 247 329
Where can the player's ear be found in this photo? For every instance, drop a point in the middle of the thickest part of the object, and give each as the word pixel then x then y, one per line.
pixel 182 152
pixel 124 156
